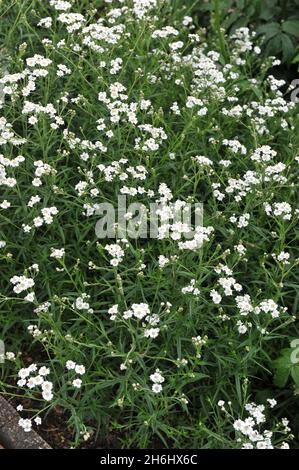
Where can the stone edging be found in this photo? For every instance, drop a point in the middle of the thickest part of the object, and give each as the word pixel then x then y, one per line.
pixel 12 436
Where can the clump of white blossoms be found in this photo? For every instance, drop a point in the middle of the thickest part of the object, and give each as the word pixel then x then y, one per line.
pixel 78 369
pixel 191 289
pixel 252 436
pixel 25 424
pixel 199 342
pixel 57 253
pixel 142 312
pixel 283 257
pixel 279 209
pixel 116 252
pixel 26 379
pixel 138 311
pixel 263 154
pixel 81 303
pixel 157 379
pixel 21 283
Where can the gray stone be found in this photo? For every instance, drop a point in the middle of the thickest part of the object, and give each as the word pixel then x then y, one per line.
pixel 12 436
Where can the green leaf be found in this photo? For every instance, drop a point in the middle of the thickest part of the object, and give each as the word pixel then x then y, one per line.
pixel 281 377
pixel 296 59
pixel 268 10
pixel 274 46
pixel 284 360
pixel 239 23
pixel 269 30
pixel 275 27
pixel 284 368
pixel 288 49
pixel 291 27
pixel 295 374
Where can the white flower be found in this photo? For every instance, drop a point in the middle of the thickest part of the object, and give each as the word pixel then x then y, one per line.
pixel 30 297
pixel 151 332
pixel 25 424
pixel 10 356
pixel 156 388
pixel 44 371
pixel 163 261
pixel 21 283
pixel 140 310
pixel 57 253
pixel 79 369
pixel 157 377
pixel 216 297
pixel 47 395
pixel 77 383
pixel 21 383
pixel 47 386
pixel 70 365
pixel 272 402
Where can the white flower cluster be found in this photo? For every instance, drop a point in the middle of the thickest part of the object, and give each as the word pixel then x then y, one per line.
pixel 229 285
pixel 73 21
pixel 57 253
pixel 45 22
pixel 79 369
pixel 34 110
pixel 235 146
pixel 38 380
pixel 60 5
pixel 7 135
pixel 279 209
pixel 244 304
pixel 82 304
pixel 242 221
pixel 139 311
pixel 152 144
pixel 45 218
pixel 249 428
pixel 21 283
pixel 117 170
pixel 39 60
pixel 142 7
pixel 42 169
pixel 201 235
pixel 191 289
pixel 263 154
pixel 165 32
pixel 157 379
pixel 116 252
pixel 283 257
pixel 25 423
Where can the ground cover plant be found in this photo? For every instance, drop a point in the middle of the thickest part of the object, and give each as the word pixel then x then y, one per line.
pixel 165 341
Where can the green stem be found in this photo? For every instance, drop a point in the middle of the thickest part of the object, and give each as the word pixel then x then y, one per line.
pixel 218 29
